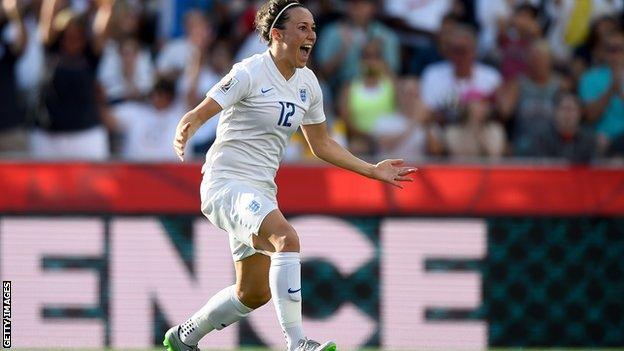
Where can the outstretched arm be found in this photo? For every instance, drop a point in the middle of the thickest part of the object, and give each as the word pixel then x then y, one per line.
pixel 191 122
pixel 101 23
pixel 46 29
pixel 12 11
pixel 325 148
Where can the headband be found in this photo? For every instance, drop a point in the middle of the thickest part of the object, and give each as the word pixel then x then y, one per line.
pixel 280 13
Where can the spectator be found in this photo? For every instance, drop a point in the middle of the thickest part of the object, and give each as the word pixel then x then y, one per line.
pixel 465 12
pixel 570 22
pixel 178 53
pixel 70 118
pixel 128 20
pixel 365 99
pixel 244 25
pixel 476 134
pixel 436 50
pixel 514 42
pixel 252 45
pixel 424 15
pixel 221 57
pixel 590 53
pixel 13 137
pixel 340 44
pixel 443 83
pixel 172 15
pixel 531 98
pixel 531 72
pixel 493 16
pixel 199 75
pixel 325 11
pixel 29 69
pixel 404 133
pixel 602 90
pixel 565 138
pixel 126 71
pixel 147 129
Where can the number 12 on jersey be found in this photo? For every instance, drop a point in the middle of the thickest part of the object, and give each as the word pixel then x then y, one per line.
pixel 288 109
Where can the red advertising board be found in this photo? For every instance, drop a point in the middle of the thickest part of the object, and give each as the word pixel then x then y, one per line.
pixel 437 190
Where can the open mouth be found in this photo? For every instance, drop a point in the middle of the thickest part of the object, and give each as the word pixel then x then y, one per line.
pixel 305 50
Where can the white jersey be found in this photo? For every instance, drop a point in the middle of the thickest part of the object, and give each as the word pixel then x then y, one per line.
pixel 261 110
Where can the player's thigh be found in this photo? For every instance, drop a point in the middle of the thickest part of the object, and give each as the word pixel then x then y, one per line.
pixel 252 279
pixel 276 234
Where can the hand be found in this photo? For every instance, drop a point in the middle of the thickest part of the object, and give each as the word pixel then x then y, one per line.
pixel 389 171
pixel 185 130
pixel 107 3
pixel 9 7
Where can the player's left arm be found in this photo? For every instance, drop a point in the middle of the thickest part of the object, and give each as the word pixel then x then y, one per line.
pixel 327 149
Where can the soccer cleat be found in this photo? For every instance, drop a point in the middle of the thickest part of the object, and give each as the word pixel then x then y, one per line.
pixel 311 345
pixel 172 341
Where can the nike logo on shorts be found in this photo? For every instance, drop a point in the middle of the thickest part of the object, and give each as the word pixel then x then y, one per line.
pixel 291 291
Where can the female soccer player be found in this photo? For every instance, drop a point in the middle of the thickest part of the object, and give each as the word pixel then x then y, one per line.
pixel 264 99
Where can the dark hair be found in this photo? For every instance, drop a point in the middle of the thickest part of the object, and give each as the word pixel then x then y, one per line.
pixel 528 8
pixel 450 17
pixel 164 85
pixel 267 13
pixel 466 30
pixel 593 39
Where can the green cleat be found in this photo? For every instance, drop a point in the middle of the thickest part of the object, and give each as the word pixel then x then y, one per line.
pixel 311 345
pixel 172 341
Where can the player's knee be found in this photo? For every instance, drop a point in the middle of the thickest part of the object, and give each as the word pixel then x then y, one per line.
pixel 254 298
pixel 287 240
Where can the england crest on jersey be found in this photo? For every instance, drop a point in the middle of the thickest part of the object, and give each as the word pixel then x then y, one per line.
pixel 303 94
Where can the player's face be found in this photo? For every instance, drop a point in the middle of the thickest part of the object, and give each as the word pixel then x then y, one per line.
pixel 299 36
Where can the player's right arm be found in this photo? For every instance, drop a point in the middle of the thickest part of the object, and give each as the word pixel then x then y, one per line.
pixel 232 88
pixel 191 122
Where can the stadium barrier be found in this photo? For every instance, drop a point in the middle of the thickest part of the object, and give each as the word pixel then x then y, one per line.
pixel 463 258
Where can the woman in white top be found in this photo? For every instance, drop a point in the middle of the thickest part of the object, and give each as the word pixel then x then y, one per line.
pixel 264 99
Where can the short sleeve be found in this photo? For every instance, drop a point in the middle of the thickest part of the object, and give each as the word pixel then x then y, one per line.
pixel 315 113
pixel 232 88
pixel 427 87
pixel 593 85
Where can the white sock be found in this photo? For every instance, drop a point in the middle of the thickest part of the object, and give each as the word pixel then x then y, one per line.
pixel 223 309
pixel 285 283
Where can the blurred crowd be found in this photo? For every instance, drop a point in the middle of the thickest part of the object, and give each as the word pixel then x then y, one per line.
pixel 469 80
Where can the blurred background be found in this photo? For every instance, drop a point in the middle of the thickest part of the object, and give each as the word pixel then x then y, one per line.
pixel 512 234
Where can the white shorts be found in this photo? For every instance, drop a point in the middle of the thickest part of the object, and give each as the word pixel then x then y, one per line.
pixel 238 208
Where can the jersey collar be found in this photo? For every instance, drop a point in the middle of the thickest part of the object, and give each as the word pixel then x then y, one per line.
pixel 275 70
